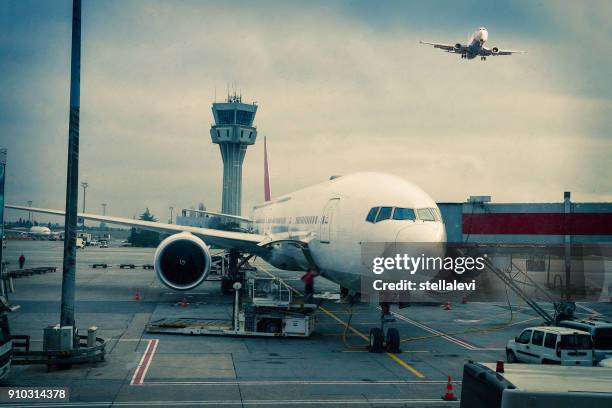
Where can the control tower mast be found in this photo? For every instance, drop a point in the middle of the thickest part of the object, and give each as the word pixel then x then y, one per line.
pixel 233 131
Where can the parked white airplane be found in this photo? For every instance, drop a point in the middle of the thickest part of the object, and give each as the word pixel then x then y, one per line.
pixel 474 47
pixel 321 227
pixel 36 232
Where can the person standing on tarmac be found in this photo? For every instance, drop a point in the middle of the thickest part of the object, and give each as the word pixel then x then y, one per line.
pixel 308 280
pixel 21 261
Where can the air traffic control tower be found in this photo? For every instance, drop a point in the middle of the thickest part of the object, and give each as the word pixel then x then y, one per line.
pixel 233 131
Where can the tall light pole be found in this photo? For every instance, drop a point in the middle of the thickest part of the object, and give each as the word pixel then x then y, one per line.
pixel 102 225
pixel 84 184
pixel 30 212
pixel 171 218
pixel 72 176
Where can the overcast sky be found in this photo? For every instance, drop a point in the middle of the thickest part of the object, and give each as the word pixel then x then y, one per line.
pixel 341 87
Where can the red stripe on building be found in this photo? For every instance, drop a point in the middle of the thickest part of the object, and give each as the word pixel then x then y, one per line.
pixel 538 223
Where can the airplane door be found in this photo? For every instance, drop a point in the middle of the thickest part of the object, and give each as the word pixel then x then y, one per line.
pixel 327 231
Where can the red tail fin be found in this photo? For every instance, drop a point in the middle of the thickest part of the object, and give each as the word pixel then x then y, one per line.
pixel 267 195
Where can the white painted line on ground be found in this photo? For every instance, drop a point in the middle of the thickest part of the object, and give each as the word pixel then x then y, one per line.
pixel 216 403
pixel 434 331
pixel 302 382
pixel 145 362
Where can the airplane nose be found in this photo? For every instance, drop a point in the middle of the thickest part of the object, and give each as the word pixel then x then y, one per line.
pixel 425 232
pixel 425 239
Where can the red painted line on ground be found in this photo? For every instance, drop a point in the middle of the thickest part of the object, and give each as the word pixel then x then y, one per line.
pixel 538 223
pixel 145 362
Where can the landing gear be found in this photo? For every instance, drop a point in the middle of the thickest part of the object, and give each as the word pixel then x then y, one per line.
pixel 227 285
pixel 463 56
pixel 228 280
pixel 378 342
pixel 393 340
pixel 483 58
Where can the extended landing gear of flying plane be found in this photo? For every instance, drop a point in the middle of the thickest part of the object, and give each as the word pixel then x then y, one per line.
pixel 378 342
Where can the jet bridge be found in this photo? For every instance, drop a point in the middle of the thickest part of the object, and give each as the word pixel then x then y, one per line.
pixel 563 246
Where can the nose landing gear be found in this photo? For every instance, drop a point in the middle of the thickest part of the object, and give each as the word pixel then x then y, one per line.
pixel 378 342
pixel 483 58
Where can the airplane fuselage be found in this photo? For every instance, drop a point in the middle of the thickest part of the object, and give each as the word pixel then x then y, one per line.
pixel 332 218
pixel 476 42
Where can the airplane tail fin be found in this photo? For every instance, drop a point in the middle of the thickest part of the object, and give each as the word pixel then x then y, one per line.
pixel 267 195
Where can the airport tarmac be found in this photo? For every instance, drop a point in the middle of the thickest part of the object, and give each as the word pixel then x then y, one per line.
pixel 331 368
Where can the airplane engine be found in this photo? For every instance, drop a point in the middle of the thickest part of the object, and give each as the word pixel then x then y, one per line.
pixel 182 261
pixel 457 47
pixel 494 50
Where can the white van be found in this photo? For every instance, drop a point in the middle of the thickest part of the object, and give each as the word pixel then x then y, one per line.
pixel 601 333
pixel 551 345
pixel 80 243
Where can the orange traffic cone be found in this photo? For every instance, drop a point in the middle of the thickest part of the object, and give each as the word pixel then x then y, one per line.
pixel 449 395
pixel 137 295
pixel 447 306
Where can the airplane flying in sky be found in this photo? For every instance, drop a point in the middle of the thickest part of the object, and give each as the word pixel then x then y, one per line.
pixel 475 47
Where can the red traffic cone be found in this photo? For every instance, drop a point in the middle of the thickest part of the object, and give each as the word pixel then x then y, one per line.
pixel 449 395
pixel 447 306
pixel 184 303
pixel 137 295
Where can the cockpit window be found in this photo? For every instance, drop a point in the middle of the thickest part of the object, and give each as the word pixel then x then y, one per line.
pixel 384 213
pixel 372 215
pixel 425 214
pixel 436 214
pixel 404 214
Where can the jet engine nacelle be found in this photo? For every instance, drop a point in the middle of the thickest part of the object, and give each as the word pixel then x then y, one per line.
pixel 495 50
pixel 457 47
pixel 182 261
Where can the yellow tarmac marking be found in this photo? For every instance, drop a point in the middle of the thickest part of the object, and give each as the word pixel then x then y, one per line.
pixel 393 357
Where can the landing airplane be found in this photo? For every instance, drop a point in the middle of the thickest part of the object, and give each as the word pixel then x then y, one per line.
pixel 474 47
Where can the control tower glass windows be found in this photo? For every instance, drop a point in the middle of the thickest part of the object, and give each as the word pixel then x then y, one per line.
pixel 404 214
pixel 244 117
pixel 225 117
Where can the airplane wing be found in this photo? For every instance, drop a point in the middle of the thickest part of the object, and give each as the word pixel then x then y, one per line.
pixel 225 239
pixel 493 52
pixel 445 47
pixel 216 214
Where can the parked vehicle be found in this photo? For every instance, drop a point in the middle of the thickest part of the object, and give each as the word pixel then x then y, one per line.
pixel 80 243
pixel 103 244
pixel 601 333
pixel 551 345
